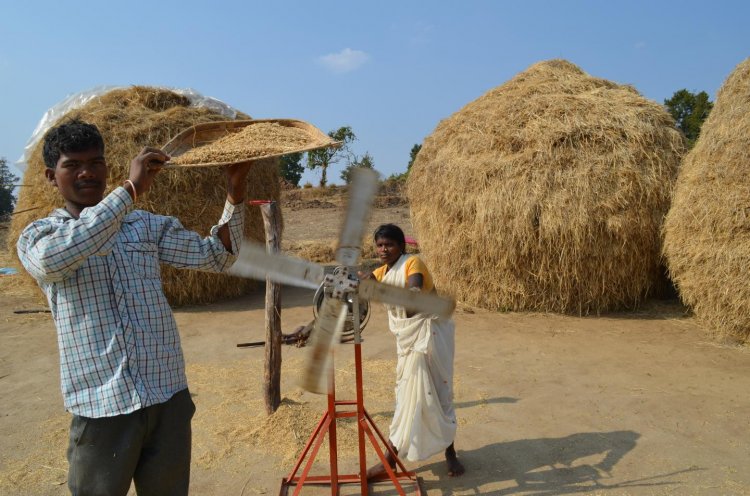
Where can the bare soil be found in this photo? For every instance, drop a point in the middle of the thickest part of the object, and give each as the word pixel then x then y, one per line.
pixel 636 403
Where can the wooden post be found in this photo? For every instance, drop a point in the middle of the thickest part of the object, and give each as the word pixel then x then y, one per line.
pixel 272 374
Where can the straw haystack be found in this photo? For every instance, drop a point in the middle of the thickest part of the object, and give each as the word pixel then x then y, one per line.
pixel 707 230
pixel 547 193
pixel 130 119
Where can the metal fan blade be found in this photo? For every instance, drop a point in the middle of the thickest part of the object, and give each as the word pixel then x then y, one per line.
pixel 256 263
pixel 325 334
pixel 361 194
pixel 428 303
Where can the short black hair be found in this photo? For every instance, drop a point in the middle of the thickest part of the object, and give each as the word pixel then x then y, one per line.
pixel 73 135
pixel 392 232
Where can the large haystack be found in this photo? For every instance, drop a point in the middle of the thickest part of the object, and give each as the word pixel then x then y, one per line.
pixel 547 193
pixel 130 119
pixel 707 230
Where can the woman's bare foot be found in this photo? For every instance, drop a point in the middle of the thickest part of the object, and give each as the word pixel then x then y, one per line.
pixel 378 471
pixel 455 467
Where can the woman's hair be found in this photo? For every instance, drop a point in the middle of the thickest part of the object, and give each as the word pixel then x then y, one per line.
pixel 71 136
pixel 390 231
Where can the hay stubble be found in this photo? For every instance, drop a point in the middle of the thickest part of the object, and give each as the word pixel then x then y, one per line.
pixel 232 426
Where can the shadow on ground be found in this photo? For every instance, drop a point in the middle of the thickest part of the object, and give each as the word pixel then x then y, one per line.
pixel 548 466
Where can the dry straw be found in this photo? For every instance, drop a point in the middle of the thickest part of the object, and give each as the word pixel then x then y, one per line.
pixel 130 119
pixel 547 194
pixel 258 140
pixel 233 417
pixel 707 230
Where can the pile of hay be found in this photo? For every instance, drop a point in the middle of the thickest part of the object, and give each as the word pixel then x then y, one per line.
pixel 547 193
pixel 232 416
pixel 707 230
pixel 130 119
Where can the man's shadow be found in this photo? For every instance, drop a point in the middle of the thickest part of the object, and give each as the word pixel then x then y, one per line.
pixel 543 467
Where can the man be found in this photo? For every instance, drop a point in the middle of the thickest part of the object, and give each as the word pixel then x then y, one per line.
pixel 121 363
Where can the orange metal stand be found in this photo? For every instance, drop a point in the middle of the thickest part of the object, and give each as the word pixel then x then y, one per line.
pixel 365 427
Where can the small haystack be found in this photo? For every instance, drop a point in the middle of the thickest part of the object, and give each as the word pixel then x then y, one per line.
pixel 707 230
pixel 547 193
pixel 130 119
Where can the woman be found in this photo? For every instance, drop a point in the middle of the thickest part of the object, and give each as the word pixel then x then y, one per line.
pixel 424 422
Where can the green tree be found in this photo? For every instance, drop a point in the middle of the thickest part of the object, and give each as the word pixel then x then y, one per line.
pixel 689 110
pixel 7 180
pixel 325 157
pixel 413 156
pixel 364 162
pixel 291 168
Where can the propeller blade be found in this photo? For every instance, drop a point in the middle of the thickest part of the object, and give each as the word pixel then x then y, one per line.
pixel 361 194
pixel 255 262
pixel 428 303
pixel 325 334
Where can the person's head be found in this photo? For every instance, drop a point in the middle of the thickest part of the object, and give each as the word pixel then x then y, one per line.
pixel 390 243
pixel 74 156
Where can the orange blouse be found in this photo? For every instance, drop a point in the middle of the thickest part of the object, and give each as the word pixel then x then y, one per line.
pixel 414 265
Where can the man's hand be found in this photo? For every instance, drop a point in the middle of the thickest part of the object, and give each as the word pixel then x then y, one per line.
pixel 144 167
pixel 237 182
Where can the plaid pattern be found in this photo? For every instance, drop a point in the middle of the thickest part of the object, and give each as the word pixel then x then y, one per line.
pixel 119 346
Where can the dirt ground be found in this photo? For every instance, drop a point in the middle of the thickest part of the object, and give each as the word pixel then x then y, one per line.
pixel 639 403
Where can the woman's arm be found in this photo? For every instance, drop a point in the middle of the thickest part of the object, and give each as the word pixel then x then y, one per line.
pixel 415 282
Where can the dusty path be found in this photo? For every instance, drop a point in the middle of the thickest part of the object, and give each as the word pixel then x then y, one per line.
pixel 622 404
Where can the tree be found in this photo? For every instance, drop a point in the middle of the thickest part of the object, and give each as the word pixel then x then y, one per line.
pixel 689 110
pixel 291 168
pixel 413 156
pixel 365 162
pixel 327 156
pixel 7 181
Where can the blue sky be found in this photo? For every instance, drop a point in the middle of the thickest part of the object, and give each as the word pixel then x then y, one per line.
pixel 389 69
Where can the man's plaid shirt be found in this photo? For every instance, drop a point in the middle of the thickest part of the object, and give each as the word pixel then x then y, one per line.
pixel 119 345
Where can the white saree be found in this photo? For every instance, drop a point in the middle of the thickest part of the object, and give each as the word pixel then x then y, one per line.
pixel 424 421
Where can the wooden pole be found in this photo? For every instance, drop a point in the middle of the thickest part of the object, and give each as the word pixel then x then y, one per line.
pixel 272 374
